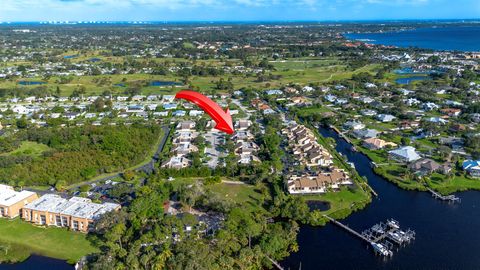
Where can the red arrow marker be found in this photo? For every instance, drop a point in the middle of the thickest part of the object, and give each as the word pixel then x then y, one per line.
pixel 222 118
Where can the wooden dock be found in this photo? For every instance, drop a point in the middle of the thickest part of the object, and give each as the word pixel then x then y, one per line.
pixel 347 228
pixel 380 235
pixel 448 198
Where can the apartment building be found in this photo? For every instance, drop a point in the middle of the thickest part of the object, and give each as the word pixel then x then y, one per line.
pixel 11 201
pixel 75 213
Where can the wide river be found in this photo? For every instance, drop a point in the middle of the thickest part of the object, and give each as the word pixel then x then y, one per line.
pixel 461 38
pixel 447 235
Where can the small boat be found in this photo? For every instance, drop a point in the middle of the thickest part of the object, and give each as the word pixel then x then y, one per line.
pixel 379 248
pixel 393 223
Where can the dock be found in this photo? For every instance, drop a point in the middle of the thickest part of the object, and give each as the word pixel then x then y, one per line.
pixel 382 237
pixel 448 198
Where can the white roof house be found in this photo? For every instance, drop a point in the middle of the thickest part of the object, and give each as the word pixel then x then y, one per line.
pixel 404 154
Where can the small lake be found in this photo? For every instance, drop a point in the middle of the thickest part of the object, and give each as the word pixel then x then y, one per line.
pixel 165 83
pixel 36 262
pixel 31 83
pixel 409 80
pixel 70 56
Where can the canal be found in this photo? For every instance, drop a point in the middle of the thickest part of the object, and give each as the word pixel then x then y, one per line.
pixel 447 234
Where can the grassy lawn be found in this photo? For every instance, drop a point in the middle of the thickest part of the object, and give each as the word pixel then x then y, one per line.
pixel 245 195
pixel 51 242
pixel 242 194
pixel 28 148
pixel 446 185
pixel 340 200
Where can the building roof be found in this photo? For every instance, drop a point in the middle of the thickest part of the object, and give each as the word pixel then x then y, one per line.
pixel 75 206
pixel 8 196
pixel 407 152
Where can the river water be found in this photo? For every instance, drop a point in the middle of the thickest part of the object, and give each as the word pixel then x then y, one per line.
pixel 447 235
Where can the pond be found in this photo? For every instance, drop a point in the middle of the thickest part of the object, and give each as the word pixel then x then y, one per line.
pixel 408 80
pixel 38 263
pixel 31 83
pixel 165 83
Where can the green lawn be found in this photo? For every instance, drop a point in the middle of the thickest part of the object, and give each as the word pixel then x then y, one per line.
pixel 242 194
pixel 245 195
pixel 51 242
pixel 28 148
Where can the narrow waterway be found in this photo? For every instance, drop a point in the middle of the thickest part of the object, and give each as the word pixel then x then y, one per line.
pixel 447 234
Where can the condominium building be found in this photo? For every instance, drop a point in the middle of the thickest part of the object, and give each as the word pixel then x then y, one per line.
pixel 75 213
pixel 11 201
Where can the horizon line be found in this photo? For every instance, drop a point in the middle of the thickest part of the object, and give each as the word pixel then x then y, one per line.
pixel 237 21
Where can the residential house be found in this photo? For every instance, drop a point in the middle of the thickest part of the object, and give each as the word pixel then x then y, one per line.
pixel 472 167
pixel 376 143
pixel 404 154
pixel 364 133
pixel 385 117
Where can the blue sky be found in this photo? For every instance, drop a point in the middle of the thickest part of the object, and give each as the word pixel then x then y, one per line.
pixel 235 10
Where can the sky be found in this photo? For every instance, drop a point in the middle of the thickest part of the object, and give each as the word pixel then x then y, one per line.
pixel 235 10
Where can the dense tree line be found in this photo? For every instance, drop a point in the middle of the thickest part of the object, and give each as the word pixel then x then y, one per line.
pixel 76 153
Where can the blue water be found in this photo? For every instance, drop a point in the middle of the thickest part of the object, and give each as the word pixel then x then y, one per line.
pixel 70 56
pixel 36 262
pixel 31 83
pixel 408 80
pixel 164 83
pixel 120 85
pixel 447 237
pixel 460 38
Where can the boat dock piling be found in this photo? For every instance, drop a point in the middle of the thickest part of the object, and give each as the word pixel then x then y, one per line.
pixel 448 198
pixel 380 236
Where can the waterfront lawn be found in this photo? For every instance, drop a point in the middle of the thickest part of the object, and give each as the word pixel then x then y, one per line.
pixel 343 202
pixel 52 242
pixel 455 183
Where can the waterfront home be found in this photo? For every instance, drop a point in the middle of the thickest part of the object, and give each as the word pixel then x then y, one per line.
pixel 472 167
pixel 11 201
pixel 76 213
pixel 404 154
pixel 364 133
pixel 376 144
pixel 427 166
pixel 353 125
pixel 319 183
